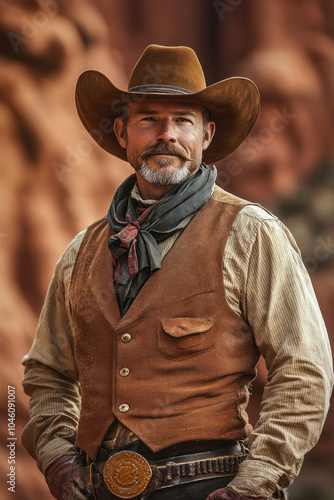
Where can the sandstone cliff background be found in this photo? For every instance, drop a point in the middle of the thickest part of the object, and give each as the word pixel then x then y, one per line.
pixel 55 180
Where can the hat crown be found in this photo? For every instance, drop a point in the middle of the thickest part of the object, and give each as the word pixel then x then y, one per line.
pixel 168 66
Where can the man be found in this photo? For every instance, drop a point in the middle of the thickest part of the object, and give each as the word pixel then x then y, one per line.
pixel 157 314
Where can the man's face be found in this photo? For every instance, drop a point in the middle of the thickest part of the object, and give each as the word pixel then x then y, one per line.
pixel 164 142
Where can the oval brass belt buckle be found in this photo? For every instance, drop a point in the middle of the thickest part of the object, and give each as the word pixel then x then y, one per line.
pixel 127 474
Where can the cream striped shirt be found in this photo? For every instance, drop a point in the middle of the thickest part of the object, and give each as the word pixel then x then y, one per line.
pixel 267 284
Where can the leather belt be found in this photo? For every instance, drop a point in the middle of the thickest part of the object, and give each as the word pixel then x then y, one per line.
pixel 200 465
pixel 128 474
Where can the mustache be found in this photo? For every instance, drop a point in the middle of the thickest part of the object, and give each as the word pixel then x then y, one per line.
pixel 164 148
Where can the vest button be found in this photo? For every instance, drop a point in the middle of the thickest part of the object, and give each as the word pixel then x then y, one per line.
pixel 126 337
pixel 124 408
pixel 124 372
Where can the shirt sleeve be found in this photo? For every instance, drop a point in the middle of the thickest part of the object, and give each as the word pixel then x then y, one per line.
pixel 267 283
pixel 51 375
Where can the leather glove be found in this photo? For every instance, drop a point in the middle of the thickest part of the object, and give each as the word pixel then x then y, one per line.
pixel 67 478
pixel 229 494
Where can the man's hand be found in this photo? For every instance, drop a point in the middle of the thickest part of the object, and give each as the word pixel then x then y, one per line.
pixel 229 494
pixel 67 479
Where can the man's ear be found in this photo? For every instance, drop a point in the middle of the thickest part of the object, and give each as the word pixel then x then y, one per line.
pixel 120 131
pixel 209 133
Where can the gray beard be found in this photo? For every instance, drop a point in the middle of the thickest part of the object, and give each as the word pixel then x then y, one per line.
pixel 165 175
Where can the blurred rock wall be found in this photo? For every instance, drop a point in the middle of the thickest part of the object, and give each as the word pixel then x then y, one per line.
pixel 55 180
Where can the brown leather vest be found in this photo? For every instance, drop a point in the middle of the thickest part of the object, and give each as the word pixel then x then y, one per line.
pixel 174 368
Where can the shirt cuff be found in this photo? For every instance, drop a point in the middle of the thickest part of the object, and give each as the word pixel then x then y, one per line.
pixel 256 479
pixel 53 450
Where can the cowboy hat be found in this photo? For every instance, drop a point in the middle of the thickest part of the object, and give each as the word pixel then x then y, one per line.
pixel 173 74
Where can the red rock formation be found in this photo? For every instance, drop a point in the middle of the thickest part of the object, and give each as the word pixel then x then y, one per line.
pixel 55 180
pixel 287 164
pixel 288 49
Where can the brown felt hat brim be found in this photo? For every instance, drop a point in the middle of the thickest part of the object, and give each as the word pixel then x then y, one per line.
pixel 233 104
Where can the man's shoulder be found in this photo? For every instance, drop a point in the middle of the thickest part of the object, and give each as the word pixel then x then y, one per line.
pixel 255 223
pixel 257 214
pixel 249 209
pixel 70 253
pixel 95 231
pixel 221 196
pixel 73 247
pixel 98 223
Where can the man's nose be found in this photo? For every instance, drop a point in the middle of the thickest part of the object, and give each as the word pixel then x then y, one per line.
pixel 166 131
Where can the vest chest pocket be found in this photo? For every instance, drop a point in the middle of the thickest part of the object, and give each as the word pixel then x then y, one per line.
pixel 180 338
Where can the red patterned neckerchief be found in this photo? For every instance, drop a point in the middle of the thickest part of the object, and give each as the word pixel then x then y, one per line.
pixel 128 238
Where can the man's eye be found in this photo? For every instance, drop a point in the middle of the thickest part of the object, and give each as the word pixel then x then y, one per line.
pixel 181 119
pixel 148 118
